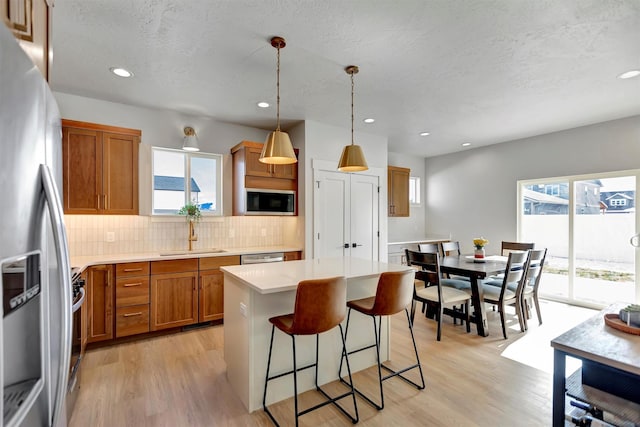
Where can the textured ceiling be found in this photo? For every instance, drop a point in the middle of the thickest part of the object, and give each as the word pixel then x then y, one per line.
pixel 479 71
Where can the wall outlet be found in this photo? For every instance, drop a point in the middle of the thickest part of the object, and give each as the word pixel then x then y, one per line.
pixel 243 309
pixel 232 233
pixel 110 237
pixel 263 232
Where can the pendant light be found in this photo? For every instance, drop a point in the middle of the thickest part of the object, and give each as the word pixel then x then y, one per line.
pixel 190 141
pixel 352 158
pixel 278 150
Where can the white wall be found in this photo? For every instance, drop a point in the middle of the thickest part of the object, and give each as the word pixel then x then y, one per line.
pixel 162 128
pixel 412 227
pixel 473 193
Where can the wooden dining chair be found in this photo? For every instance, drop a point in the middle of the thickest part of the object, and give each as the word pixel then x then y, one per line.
pixel 450 248
pixel 515 246
pixel 532 282
pixel 432 248
pixel 429 288
pixel 503 295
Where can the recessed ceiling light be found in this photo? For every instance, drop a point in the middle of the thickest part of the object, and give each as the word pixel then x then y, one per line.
pixel 369 120
pixel 120 72
pixel 629 74
pixel 466 144
pixel 424 134
pixel 263 104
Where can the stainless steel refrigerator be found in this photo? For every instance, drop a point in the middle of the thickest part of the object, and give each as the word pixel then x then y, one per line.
pixel 35 333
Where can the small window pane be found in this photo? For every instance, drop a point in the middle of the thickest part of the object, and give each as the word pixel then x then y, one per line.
pixel 414 190
pixel 203 183
pixel 168 181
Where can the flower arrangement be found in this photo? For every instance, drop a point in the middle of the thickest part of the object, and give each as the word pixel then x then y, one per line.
pixel 480 242
pixel 191 212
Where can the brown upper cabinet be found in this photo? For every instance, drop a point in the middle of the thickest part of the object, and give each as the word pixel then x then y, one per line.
pixel 249 172
pixel 100 168
pixel 398 186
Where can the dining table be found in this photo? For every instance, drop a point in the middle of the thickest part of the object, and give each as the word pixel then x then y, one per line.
pixel 476 271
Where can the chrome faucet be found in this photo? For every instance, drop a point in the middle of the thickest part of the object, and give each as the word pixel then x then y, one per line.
pixel 193 237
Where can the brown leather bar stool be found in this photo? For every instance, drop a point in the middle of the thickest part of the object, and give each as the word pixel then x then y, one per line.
pixel 394 294
pixel 320 306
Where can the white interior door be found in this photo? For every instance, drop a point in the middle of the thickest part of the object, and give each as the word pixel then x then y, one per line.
pixel 346 218
pixel 364 216
pixel 331 213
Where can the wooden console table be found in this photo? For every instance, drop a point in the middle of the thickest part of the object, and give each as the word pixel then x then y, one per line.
pixel 610 376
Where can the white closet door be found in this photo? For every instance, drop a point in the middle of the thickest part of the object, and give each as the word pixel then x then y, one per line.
pixel 345 213
pixel 330 214
pixel 364 216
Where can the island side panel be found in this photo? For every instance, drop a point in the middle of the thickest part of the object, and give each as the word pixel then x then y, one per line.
pixel 236 337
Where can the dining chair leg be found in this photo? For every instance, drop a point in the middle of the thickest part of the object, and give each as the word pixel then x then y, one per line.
pixel 520 314
pixel 502 321
pixel 413 310
pixel 467 317
pixel 524 310
pixel 537 303
pixel 440 314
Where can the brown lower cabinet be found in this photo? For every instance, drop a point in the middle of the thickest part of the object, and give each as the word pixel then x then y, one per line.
pixel 174 293
pixel 293 256
pixel 211 289
pixel 132 298
pixel 100 302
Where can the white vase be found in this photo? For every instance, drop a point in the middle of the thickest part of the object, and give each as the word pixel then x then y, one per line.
pixel 478 255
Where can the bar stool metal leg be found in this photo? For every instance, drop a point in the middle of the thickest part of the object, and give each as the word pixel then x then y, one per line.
pixel 334 400
pixel 377 330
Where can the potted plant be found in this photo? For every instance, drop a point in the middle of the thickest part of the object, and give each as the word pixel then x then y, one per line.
pixel 192 213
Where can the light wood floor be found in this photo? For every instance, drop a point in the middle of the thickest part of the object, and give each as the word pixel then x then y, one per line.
pixel 179 380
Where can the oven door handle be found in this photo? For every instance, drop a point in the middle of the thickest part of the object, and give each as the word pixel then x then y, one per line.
pixel 78 303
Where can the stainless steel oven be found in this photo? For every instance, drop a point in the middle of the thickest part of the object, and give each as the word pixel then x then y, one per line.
pixel 77 344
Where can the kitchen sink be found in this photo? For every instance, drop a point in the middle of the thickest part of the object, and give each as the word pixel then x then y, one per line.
pixel 195 251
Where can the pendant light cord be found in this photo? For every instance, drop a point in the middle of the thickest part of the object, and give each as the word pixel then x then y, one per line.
pixel 278 92
pixel 352 108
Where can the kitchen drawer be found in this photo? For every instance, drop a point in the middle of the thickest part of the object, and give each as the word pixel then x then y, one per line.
pixel 132 291
pixel 174 266
pixel 132 320
pixel 211 263
pixel 132 269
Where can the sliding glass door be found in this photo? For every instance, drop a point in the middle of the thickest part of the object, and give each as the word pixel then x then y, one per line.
pixel 586 223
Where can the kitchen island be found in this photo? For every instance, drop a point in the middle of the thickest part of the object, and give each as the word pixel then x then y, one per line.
pixel 255 293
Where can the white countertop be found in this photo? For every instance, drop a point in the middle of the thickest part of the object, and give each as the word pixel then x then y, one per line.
pixel 284 276
pixel 82 262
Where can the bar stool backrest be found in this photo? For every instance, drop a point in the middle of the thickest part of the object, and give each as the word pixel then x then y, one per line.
pixel 321 304
pixel 394 293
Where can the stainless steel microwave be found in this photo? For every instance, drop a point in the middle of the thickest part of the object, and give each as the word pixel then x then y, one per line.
pixel 270 202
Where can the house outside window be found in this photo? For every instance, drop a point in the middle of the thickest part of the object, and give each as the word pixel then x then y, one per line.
pixel 180 178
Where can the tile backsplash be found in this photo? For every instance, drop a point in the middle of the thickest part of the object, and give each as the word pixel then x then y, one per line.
pixel 115 234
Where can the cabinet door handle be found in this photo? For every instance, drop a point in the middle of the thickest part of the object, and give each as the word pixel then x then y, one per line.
pixel 139 313
pixel 104 205
pixel 98 201
pixel 129 270
pixel 128 285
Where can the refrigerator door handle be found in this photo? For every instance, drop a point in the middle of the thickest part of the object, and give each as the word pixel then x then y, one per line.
pixel 62 255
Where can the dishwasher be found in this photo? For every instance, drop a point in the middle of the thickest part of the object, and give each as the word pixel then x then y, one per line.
pixel 262 258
